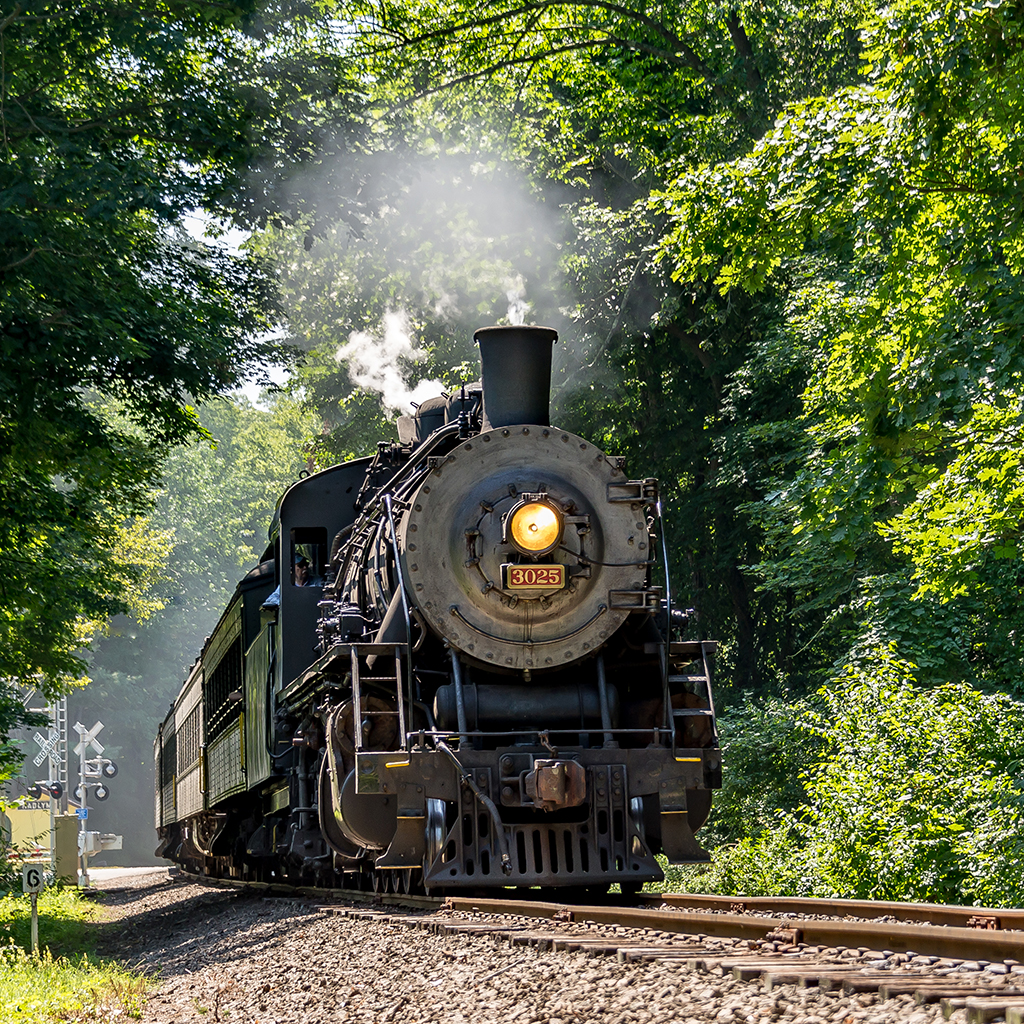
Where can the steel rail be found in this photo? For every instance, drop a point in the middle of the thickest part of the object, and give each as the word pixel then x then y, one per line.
pixel 927 940
pixel 931 913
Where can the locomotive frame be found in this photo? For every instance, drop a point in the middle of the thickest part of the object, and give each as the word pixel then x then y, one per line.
pixel 481 688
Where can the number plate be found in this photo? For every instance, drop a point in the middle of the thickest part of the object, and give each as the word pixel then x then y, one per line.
pixel 32 877
pixel 533 577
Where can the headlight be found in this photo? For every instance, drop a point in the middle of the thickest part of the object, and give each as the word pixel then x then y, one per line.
pixel 535 527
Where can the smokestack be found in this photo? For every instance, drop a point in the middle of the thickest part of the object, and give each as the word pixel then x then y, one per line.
pixel 515 368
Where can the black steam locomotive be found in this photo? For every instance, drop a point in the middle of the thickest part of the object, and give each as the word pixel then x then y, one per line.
pixel 450 669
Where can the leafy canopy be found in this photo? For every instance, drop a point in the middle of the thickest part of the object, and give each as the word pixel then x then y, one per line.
pixel 115 123
pixel 899 199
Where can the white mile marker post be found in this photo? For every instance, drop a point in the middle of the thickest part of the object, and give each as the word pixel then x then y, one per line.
pixel 32 882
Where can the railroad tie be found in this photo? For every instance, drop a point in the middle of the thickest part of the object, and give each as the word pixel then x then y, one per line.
pixel 833 976
pixel 634 954
pixel 927 990
pixel 982 1009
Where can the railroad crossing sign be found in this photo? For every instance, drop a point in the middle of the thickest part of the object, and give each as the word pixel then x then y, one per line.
pixel 88 737
pixel 47 746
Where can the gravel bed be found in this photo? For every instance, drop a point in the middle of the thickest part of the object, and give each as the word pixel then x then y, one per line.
pixel 221 955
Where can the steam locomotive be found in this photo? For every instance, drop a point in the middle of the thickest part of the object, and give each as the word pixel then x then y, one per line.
pixel 450 669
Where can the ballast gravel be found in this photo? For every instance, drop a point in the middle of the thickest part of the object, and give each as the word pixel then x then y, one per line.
pixel 223 956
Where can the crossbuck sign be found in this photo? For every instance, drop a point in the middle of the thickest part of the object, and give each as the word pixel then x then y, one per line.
pixel 47 745
pixel 88 738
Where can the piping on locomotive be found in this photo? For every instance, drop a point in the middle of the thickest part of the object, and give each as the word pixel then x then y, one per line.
pixel 450 670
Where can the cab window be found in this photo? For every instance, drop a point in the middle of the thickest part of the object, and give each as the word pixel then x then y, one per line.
pixel 308 556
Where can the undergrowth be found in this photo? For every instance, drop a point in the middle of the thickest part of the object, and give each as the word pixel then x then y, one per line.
pixel 879 788
pixel 66 982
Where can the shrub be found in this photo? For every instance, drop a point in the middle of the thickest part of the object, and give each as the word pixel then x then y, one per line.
pixel 908 793
pixel 918 796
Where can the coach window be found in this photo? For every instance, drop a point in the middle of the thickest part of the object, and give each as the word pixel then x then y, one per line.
pixel 308 556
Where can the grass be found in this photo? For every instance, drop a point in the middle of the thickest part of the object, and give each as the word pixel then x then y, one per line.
pixel 66 982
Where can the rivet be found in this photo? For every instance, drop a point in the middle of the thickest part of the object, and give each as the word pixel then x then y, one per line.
pixel 413 527
pixel 526 430
pixel 546 433
pixel 419 508
pixel 486 438
pixel 414 567
pixel 468 447
pixel 426 490
pixel 412 547
pixel 419 586
pixel 565 437
pixel 505 433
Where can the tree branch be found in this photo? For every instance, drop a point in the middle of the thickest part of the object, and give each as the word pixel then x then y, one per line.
pixel 741 41
pixel 741 114
pixel 24 259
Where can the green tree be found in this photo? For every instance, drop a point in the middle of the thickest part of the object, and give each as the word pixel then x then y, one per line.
pixel 116 122
pixel 894 204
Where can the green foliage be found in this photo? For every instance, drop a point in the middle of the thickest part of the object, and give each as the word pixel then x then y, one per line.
pixel 47 987
pixel 774 863
pixel 108 138
pixel 767 754
pixel 902 519
pixel 63 913
pixel 913 793
pixel 919 795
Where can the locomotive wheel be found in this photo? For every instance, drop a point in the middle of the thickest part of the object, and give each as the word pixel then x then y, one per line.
pixel 379 881
pixel 404 879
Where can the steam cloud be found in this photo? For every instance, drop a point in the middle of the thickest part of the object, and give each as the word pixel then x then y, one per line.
pixel 375 362
pixel 518 307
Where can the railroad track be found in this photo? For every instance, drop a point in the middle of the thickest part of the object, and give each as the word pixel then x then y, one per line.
pixel 977 967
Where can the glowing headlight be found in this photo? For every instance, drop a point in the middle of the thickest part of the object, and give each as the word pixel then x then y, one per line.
pixel 535 527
